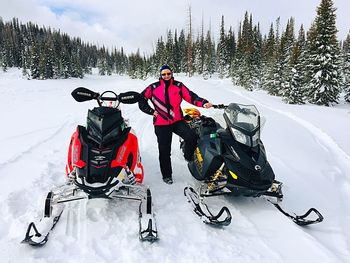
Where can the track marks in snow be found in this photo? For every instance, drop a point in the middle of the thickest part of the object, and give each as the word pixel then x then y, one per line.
pixel 33 147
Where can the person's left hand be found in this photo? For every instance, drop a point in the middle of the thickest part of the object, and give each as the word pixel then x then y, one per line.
pixel 207 105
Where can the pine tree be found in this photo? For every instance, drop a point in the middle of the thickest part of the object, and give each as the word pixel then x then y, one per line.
pixel 136 66
pixel 48 52
pixel 34 61
pixel 159 56
pixel 256 59
pixel 221 53
pixel 268 59
pixel 177 54
pixel 246 66
pixel 182 52
pixel 169 50
pixel 324 70
pixel 231 47
pixel 7 55
pixel 77 70
pixel 2 37
pixel 295 93
pixel 209 58
pixel 285 60
pixel 189 45
pixel 102 63
pixel 25 62
pixel 346 67
pixel 196 56
pixel 236 69
pixel 123 64
pixel 200 51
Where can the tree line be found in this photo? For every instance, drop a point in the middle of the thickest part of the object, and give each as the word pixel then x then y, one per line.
pixel 43 53
pixel 299 66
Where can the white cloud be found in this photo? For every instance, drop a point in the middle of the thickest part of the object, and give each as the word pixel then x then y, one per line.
pixel 137 24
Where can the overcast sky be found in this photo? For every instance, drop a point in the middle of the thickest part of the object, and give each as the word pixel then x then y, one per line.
pixel 136 24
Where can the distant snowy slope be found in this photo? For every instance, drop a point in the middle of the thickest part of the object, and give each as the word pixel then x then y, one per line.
pixel 308 147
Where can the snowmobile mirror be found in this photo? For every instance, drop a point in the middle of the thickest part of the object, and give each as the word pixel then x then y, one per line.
pixel 83 94
pixel 129 97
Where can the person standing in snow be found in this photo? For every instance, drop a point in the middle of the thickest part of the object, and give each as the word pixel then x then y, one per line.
pixel 166 96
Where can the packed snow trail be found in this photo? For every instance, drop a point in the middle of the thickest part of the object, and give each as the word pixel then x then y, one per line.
pixel 306 154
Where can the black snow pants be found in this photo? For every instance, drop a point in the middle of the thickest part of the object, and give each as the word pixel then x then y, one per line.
pixel 164 137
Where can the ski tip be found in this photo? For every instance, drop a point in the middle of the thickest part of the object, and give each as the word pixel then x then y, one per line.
pixel 149 238
pixel 150 234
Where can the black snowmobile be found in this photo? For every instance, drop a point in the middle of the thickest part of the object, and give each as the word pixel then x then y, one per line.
pixel 231 159
pixel 103 162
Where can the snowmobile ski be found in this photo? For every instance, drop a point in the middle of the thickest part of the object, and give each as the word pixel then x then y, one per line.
pixel 223 218
pixel 301 220
pixel 38 234
pixel 150 233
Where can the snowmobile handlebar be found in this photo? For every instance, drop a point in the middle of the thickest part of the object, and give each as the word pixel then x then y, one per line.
pixel 81 94
pixel 235 107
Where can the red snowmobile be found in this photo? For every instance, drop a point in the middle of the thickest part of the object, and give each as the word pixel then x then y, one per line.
pixel 103 162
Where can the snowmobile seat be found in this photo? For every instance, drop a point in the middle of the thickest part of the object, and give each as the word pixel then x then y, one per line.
pixel 208 122
pixel 208 126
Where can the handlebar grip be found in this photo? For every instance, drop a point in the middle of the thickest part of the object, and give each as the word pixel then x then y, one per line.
pixel 220 106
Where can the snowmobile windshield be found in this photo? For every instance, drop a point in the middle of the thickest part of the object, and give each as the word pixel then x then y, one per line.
pixel 244 123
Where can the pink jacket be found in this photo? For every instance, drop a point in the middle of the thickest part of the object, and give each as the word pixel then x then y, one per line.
pixel 166 101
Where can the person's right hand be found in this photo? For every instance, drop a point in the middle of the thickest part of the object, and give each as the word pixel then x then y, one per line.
pixel 207 105
pixel 155 114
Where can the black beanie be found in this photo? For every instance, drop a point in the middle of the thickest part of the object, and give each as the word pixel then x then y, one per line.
pixel 165 67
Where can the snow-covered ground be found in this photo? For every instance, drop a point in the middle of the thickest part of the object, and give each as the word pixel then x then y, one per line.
pixel 308 147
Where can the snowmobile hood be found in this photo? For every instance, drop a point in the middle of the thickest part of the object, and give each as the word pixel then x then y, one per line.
pixel 105 123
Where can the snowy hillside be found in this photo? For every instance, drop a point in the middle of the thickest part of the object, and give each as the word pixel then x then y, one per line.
pixel 308 147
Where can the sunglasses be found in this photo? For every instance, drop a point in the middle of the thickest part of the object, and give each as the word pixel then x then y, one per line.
pixel 166 74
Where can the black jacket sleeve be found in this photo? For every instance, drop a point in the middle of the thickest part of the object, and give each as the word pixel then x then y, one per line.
pixel 144 106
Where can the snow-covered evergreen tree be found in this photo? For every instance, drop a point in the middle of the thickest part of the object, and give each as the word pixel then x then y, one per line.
pixel 246 65
pixel 136 66
pixel 268 59
pixel 159 56
pixel 283 63
pixel 48 50
pixel 102 63
pixel 77 70
pixel 222 52
pixel 209 58
pixel 346 67
pixel 189 46
pixel 1 41
pixel 323 60
pixel 295 92
pixel 182 52
pixel 200 52
pixel 169 50
pixel 25 62
pixel 197 67
pixel 231 47
pixel 34 61
pixel 256 59
pixel 176 54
